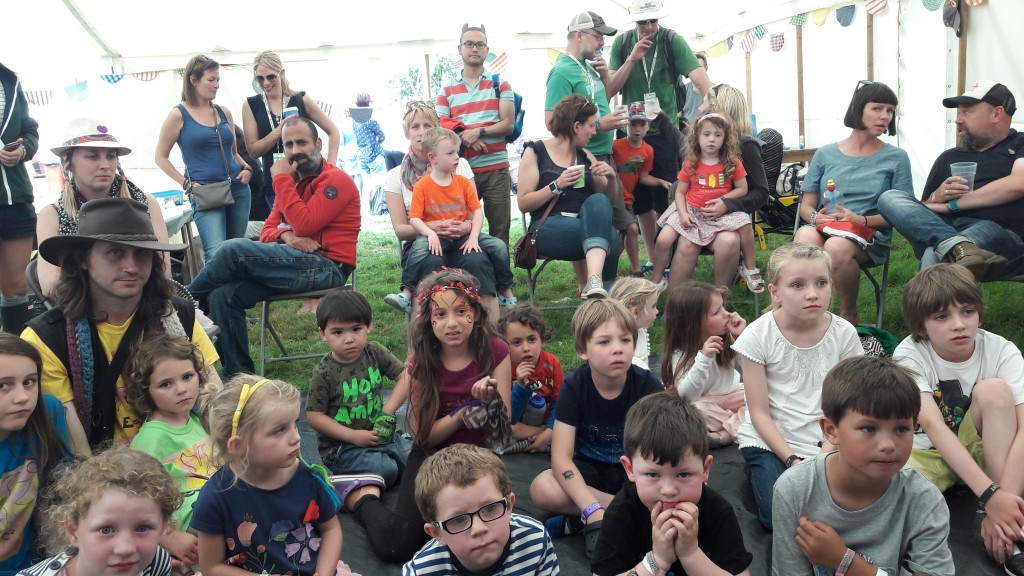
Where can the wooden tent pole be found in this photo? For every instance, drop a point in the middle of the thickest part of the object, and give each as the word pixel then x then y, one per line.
pixel 871 47
pixel 961 62
pixel 800 77
pixel 750 87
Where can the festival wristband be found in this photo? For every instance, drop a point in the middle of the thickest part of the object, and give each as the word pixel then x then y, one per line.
pixel 988 493
pixel 651 564
pixel 953 206
pixel 845 563
pixel 590 510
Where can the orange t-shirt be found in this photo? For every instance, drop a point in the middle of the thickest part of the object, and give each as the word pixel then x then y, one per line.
pixel 708 181
pixel 432 202
pixel 630 162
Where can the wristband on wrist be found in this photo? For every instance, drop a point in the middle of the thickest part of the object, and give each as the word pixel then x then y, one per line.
pixel 988 493
pixel 246 169
pixel 651 564
pixel 792 460
pixel 845 563
pixel 598 123
pixel 866 222
pixel 953 206
pixel 813 216
pixel 590 510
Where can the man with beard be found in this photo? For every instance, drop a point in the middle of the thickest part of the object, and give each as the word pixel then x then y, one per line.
pixel 308 243
pixel 980 229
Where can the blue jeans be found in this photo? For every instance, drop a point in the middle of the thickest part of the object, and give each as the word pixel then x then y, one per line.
pixel 220 224
pixel 568 238
pixel 491 267
pixel 388 460
pixel 931 235
pixel 245 272
pixel 765 468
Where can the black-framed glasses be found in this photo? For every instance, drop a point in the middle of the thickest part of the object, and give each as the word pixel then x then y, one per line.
pixel 468 45
pixel 462 522
pixel 271 77
pixel 647 22
pixel 597 35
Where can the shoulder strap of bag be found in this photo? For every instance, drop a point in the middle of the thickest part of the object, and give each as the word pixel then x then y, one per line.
pixel 220 141
pixel 546 212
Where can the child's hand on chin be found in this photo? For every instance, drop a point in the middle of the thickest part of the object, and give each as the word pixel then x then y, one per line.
pixel 685 521
pixel 663 535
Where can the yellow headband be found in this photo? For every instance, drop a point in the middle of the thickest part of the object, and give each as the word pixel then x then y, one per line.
pixel 247 392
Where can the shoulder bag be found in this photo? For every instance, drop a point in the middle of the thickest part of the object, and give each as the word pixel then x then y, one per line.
pixel 215 194
pixel 525 250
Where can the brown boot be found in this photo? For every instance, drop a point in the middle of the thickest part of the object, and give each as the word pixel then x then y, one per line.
pixel 983 264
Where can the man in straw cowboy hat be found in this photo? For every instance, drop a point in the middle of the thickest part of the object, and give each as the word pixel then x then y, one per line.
pixel 647 62
pixel 111 291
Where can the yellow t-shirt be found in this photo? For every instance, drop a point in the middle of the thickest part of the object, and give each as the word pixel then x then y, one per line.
pixel 55 379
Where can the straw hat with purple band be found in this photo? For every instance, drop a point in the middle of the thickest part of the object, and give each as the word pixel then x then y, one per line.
pixel 987 91
pixel 590 21
pixel 88 133
pixel 647 10
pixel 117 220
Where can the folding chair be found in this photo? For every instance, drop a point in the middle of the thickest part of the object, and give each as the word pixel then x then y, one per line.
pixel 267 326
pixel 880 286
pixel 532 274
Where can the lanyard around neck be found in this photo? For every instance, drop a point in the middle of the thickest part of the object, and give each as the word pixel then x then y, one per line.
pixel 270 118
pixel 586 72
pixel 654 61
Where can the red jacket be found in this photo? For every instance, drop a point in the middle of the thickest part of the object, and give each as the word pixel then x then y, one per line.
pixel 324 207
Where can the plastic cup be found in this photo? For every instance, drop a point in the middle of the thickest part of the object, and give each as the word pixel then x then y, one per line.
pixel 384 426
pixel 582 180
pixel 965 170
pixel 290 111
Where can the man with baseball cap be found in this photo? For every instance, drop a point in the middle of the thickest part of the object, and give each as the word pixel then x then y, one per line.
pixel 981 229
pixel 112 291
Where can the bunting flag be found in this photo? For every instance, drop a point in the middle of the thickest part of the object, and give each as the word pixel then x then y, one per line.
pixel 38 97
pixel 112 78
pixel 327 107
pixel 820 16
pixel 749 41
pixel 78 91
pixel 497 63
pixel 933 5
pixel 719 49
pixel 759 31
pixel 553 55
pixel 874 6
pixel 777 42
pixel 145 76
pixel 801 19
pixel 951 15
pixel 845 15
pixel 728 42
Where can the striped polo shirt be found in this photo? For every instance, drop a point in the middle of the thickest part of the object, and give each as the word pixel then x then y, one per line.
pixel 478 108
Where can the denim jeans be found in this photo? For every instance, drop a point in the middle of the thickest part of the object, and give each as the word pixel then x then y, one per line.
pixel 220 224
pixel 244 272
pixel 931 235
pixel 568 238
pixel 765 468
pixel 388 460
pixel 491 267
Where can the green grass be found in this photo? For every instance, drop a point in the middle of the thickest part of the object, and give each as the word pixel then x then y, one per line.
pixel 379 273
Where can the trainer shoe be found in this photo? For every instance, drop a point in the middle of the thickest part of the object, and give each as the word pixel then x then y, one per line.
pixel 983 264
pixel 594 288
pixel 346 483
pixel 1014 565
pixel 399 301
pixel 508 302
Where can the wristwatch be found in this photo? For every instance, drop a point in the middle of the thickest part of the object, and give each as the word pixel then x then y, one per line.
pixel 483 132
pixel 553 187
pixel 953 208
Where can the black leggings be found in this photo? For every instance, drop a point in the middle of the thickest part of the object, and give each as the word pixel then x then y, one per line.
pixel 397 535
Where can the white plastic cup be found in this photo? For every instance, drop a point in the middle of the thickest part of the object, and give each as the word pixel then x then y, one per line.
pixel 965 170
pixel 290 111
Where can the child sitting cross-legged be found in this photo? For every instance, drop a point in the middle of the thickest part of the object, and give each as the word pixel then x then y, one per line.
pixel 666 519
pixel 465 496
pixel 355 428
pixel 857 510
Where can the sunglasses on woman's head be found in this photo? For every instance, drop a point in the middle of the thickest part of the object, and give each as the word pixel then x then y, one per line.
pixel 418 104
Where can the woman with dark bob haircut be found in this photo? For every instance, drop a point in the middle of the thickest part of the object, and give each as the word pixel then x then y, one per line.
pixel 860 167
pixel 579 226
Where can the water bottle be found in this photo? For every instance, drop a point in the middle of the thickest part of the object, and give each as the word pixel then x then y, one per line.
pixel 833 200
pixel 535 409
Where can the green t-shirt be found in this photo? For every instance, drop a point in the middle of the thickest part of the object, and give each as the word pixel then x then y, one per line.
pixel 186 452
pixel 351 393
pixel 567 77
pixel 663 80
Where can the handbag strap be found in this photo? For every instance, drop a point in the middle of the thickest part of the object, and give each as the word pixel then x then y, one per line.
pixel 546 212
pixel 218 114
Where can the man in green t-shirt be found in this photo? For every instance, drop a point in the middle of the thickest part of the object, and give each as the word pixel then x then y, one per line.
pixel 582 70
pixel 647 69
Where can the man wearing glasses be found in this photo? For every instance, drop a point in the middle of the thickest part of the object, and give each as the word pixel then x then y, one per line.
pixel 581 69
pixel 482 114
pixel 648 72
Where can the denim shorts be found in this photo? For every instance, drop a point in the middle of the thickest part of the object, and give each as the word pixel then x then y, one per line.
pixel 17 221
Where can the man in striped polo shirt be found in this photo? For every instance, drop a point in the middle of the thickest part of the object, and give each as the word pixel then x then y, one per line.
pixel 473 109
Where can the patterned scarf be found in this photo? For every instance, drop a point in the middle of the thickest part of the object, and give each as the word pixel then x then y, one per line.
pixel 412 169
pixel 67 226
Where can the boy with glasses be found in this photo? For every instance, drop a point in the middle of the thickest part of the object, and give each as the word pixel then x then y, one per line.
pixel 465 496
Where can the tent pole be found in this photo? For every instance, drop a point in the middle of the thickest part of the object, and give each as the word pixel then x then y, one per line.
pixel 800 78
pixel 426 65
pixel 750 95
pixel 961 60
pixel 871 47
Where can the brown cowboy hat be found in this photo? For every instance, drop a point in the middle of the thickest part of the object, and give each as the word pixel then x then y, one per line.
pixel 117 220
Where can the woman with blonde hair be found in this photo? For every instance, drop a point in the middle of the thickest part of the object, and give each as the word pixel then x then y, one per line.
pixel 204 132
pixel 90 159
pixel 263 113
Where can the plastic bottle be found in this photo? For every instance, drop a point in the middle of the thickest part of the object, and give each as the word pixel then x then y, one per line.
pixel 535 409
pixel 833 198
pixel 801 141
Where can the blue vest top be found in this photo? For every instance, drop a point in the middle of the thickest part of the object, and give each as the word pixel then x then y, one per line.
pixel 199 144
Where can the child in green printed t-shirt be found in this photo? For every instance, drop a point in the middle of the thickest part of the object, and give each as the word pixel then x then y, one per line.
pixel 345 399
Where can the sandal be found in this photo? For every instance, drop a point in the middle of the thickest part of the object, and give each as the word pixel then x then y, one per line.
pixel 346 483
pixel 754 285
